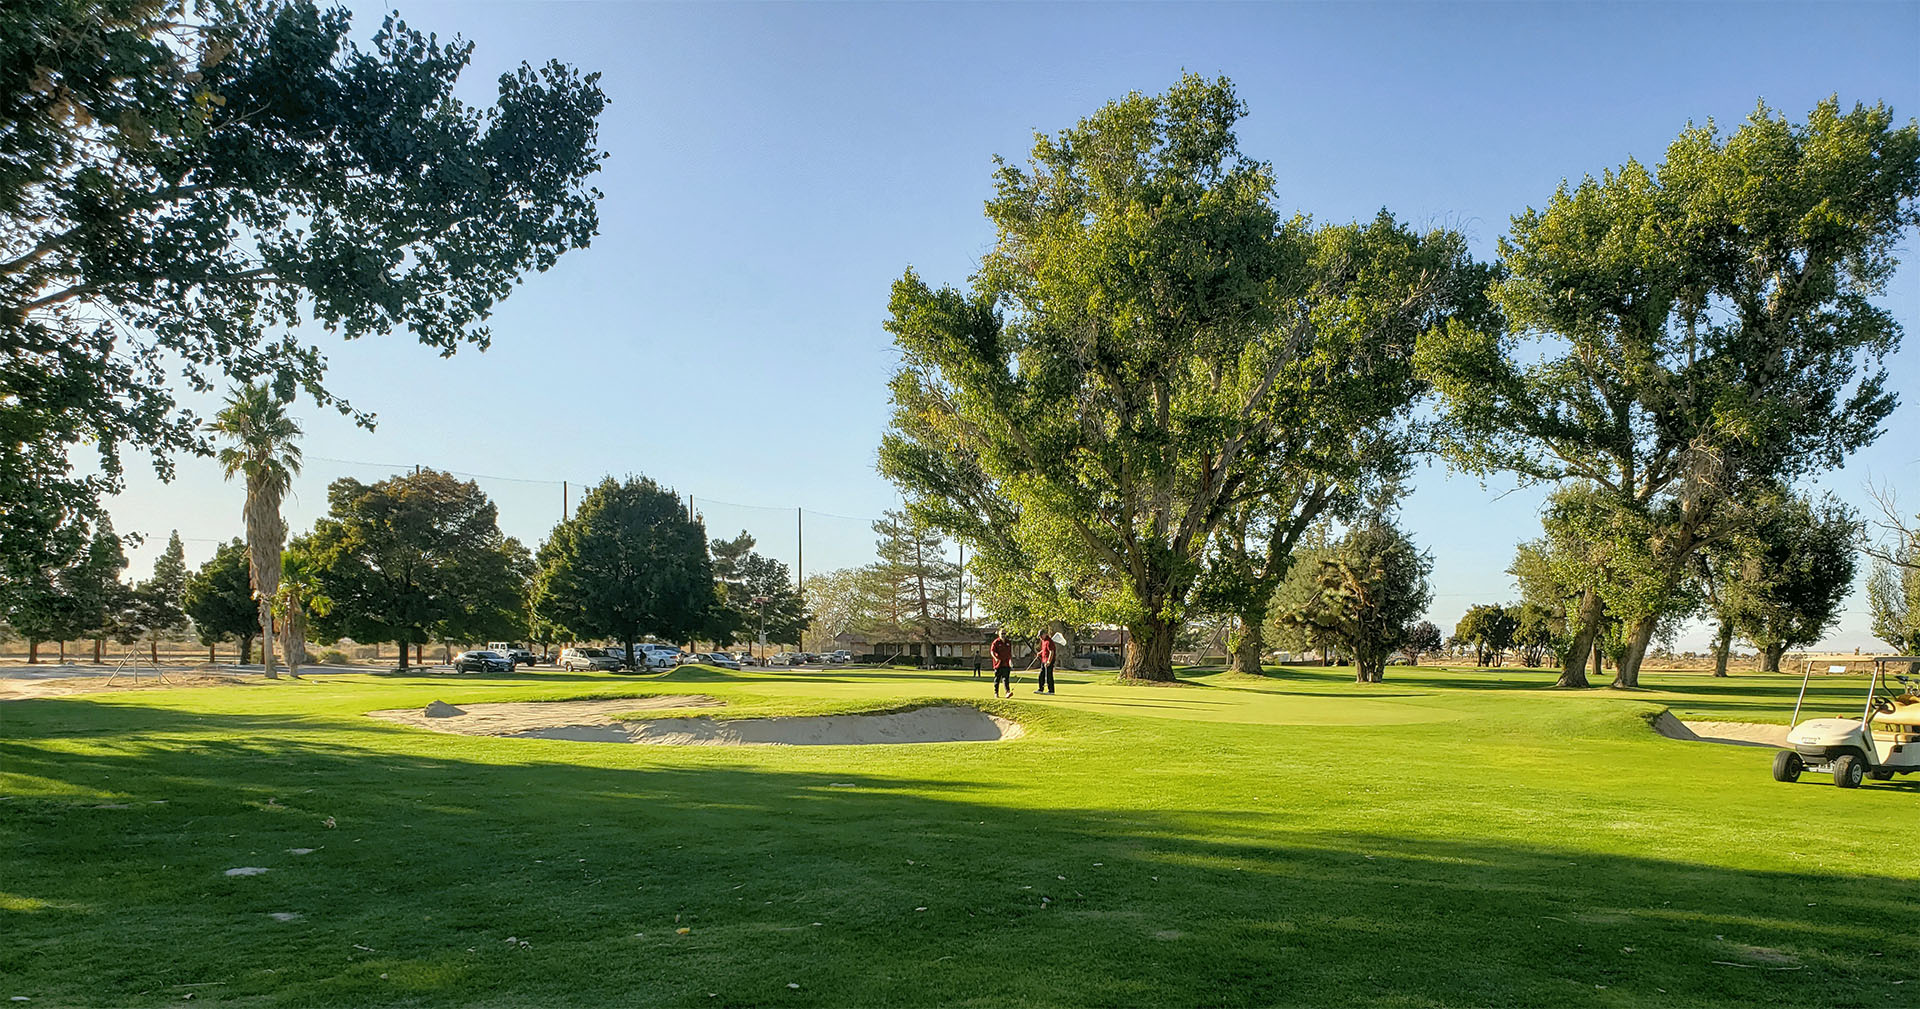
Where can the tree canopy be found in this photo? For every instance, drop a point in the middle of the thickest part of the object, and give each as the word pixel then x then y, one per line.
pixel 631 563
pixel 1699 326
pixel 414 559
pixel 1365 592
pixel 183 185
pixel 1143 346
pixel 219 598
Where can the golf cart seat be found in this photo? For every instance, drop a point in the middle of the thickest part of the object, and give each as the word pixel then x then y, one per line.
pixel 1905 713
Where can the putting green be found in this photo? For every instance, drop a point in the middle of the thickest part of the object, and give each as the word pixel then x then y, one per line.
pixel 1442 838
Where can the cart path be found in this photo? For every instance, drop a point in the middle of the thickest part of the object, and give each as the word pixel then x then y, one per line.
pixel 1730 733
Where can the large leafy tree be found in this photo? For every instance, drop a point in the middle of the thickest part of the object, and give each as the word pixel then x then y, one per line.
pixel 184 182
pixel 219 598
pixel 261 446
pixel 1364 593
pixel 1699 326
pixel 840 601
pixel 1785 571
pixel 158 600
pixel 1488 629
pixel 77 598
pixel 744 577
pixel 1128 364
pixel 631 563
pixel 414 559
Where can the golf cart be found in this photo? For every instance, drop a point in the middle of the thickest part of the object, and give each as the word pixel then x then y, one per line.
pixel 1882 742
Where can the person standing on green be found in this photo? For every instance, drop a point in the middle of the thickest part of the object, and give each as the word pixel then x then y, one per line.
pixel 1046 665
pixel 1002 652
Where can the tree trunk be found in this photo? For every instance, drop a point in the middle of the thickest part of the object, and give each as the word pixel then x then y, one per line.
pixel 1573 669
pixel 63 652
pixel 153 649
pixel 246 648
pixel 266 639
pixel 33 652
pixel 1627 677
pixel 416 654
pixel 1149 651
pixel 1251 646
pixel 99 645
pixel 1722 645
pixel 1772 654
pixel 403 655
pixel 211 658
pixel 1372 669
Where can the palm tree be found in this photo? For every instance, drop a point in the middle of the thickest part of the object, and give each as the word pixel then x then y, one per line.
pixel 262 447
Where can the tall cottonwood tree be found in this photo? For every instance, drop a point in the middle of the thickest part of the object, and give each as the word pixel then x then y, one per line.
pixel 1701 326
pixel 185 184
pixel 1128 363
pixel 1784 572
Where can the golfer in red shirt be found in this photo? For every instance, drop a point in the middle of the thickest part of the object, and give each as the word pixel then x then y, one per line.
pixel 1002 652
pixel 1046 665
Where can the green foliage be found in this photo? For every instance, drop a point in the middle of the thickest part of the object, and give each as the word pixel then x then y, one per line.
pixel 1420 638
pixel 184 183
pixel 157 602
pixel 916 586
pixel 840 602
pixel 414 559
pixel 1488 629
pixel 83 596
pixel 1365 592
pixel 1784 571
pixel 1538 632
pixel 1700 326
pixel 1893 596
pixel 1147 350
pixel 743 576
pixel 219 597
pixel 629 565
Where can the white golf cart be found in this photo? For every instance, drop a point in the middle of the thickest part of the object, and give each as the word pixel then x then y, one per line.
pixel 1882 742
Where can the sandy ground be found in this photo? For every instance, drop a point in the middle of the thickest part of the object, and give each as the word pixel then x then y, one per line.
pixel 21 689
pixel 591 721
pixel 1731 733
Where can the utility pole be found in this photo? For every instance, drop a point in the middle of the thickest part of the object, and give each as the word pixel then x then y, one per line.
pixel 962 608
pixel 563 500
pixel 800 551
pixel 761 601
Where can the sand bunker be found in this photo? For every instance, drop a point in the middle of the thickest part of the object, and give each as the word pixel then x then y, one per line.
pixel 592 721
pixel 1730 733
pixel 946 724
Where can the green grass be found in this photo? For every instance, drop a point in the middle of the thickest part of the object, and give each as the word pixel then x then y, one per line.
pixel 1444 838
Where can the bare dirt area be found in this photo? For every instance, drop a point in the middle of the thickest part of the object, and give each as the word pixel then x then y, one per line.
pixel 593 721
pixel 1730 733
pixel 19 689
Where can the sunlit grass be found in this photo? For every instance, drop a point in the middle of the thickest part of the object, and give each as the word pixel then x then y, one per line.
pixel 1446 837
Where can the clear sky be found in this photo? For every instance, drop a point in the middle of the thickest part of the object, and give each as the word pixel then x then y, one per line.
pixel 775 166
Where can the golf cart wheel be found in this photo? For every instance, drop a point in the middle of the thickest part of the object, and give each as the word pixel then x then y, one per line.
pixel 1787 766
pixel 1880 774
pixel 1849 770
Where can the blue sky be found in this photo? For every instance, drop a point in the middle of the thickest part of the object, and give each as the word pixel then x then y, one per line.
pixel 775 166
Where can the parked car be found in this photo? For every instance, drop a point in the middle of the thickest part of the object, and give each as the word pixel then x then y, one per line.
pixel 588 659
pixel 840 656
pixel 744 658
pixel 523 657
pixel 659 656
pixel 482 661
pixel 780 659
pixel 806 659
pixel 721 659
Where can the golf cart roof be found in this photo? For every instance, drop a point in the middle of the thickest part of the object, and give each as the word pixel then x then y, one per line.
pixel 1896 658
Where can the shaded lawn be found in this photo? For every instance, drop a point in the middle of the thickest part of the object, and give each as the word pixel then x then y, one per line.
pixel 1249 840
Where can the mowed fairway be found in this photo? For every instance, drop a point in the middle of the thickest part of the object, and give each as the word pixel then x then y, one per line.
pixel 1439 839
